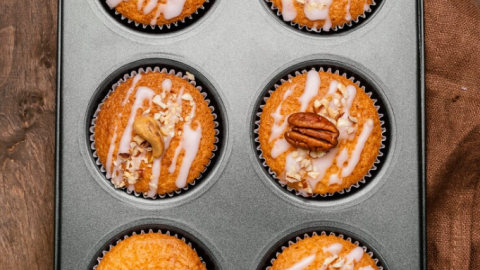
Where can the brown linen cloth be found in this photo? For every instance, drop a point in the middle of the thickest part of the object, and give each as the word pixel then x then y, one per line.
pixel 452 33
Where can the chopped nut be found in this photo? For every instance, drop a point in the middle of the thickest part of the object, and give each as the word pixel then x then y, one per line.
pixel 164 131
pixel 187 96
pixel 124 156
pixel 330 259
pixel 301 1
pixel 313 175
pixel 292 177
pixel 332 112
pixel 190 76
pixel 157 116
pixel 343 89
pixel 339 263
pixel 152 185
pixel 353 119
pixel 350 130
pixel 147 111
pixel 157 99
pixel 317 104
pixel 295 154
pixel 342 123
pixel 139 140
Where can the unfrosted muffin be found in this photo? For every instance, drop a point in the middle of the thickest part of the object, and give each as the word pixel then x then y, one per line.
pixel 324 253
pixel 322 14
pixel 151 251
pixel 154 134
pixel 156 12
pixel 320 133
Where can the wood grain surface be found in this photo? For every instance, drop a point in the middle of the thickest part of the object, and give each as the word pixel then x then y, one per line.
pixel 28 33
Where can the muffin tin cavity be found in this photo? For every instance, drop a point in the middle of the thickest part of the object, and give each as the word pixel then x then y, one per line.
pixel 356 76
pixel 341 29
pixel 206 256
pixel 273 252
pixel 160 29
pixel 165 66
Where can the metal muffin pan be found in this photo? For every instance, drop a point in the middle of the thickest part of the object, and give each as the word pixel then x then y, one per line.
pixel 238 214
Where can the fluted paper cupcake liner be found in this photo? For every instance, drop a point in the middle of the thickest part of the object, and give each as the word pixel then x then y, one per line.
pixel 315 195
pixel 126 236
pixel 177 25
pixel 122 80
pixel 336 29
pixel 303 236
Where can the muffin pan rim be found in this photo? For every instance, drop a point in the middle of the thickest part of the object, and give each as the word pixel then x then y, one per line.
pixel 213 171
pixel 366 189
pixel 269 250
pixel 199 241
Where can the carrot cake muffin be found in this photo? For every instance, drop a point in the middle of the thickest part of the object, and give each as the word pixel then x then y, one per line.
pixel 156 12
pixel 154 134
pixel 324 253
pixel 151 251
pixel 320 133
pixel 321 14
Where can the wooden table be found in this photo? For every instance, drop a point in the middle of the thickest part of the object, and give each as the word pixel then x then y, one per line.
pixel 28 48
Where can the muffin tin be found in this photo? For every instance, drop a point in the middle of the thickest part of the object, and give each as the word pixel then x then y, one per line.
pixel 236 216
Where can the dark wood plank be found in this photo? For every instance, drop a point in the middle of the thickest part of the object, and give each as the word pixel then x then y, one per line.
pixel 27 133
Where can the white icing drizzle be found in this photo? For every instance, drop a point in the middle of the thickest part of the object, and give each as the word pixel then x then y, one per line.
pixel 288 10
pixel 348 16
pixel 167 85
pixel 322 164
pixel 172 167
pixel 333 87
pixel 311 89
pixel 277 129
pixel 140 4
pixel 342 157
pixel 362 139
pixel 333 249
pixel 319 10
pixel 150 6
pixel 304 263
pixel 114 3
pixel 280 146
pixel 353 257
pixel 334 179
pixel 111 148
pixel 352 93
pixel 143 93
pixel 191 143
pixel 136 79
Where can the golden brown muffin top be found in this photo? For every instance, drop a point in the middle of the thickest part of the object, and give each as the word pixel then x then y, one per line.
pixel 151 251
pixel 178 114
pixel 324 253
pixel 156 12
pixel 339 102
pixel 322 14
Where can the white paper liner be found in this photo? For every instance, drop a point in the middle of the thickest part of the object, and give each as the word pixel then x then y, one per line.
pixel 311 234
pixel 118 15
pixel 320 30
pixel 104 252
pixel 122 80
pixel 345 190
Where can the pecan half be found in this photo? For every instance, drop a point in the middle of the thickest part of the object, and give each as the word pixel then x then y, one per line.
pixel 311 131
